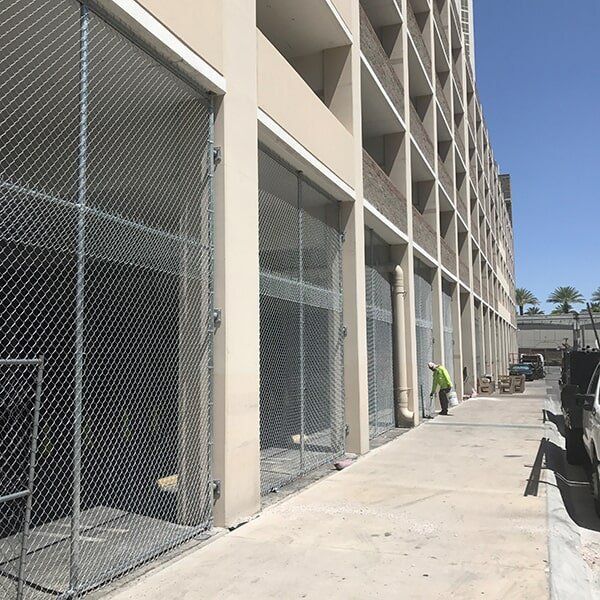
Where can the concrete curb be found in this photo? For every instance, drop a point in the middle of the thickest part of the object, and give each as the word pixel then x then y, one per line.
pixel 569 575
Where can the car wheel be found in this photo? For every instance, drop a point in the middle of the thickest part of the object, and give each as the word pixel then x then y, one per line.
pixel 596 486
pixel 575 448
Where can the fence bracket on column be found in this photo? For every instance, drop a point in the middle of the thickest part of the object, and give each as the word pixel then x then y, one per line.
pixel 216 488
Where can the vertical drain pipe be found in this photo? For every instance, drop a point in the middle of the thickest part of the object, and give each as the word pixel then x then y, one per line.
pixel 404 416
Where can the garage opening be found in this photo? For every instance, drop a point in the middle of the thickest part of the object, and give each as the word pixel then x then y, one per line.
pixel 448 328
pixel 302 418
pixel 478 340
pixel 379 334
pixel 106 273
pixel 424 334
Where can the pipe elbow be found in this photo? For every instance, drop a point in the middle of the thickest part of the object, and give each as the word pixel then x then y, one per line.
pixel 406 416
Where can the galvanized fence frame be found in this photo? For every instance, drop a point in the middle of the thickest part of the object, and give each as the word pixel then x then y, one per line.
pixel 379 334
pixel 478 341
pixel 84 217
pixel 448 327
pixel 424 334
pixel 25 491
pixel 302 334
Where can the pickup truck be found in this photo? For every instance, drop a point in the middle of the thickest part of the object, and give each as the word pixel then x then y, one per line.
pixel 591 432
pixel 577 370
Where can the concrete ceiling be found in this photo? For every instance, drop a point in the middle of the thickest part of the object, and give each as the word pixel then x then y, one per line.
pixel 300 27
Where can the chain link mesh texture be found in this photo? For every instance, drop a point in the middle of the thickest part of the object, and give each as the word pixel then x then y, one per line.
pixel 19 419
pixel 379 334
pixel 424 334
pixel 448 325
pixel 301 328
pixel 478 340
pixel 106 270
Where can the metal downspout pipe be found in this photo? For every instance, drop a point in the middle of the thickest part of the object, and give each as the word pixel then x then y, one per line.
pixel 404 416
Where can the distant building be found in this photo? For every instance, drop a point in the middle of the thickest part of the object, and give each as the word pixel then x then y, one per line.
pixel 550 334
pixel 466 17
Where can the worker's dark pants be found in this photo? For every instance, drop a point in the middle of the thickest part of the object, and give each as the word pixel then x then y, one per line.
pixel 444 400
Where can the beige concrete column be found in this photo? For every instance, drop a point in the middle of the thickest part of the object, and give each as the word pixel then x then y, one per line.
pixel 353 257
pixel 236 371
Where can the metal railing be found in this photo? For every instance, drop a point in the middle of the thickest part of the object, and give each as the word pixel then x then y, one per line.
pixel 21 385
pixel 106 269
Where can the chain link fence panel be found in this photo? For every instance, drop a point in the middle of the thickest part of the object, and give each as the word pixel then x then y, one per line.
pixel 424 334
pixel 478 341
pixel 106 269
pixel 379 334
pixel 448 325
pixel 302 417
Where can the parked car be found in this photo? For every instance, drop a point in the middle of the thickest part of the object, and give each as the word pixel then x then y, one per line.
pixel 537 362
pixel 591 432
pixel 522 369
pixel 577 369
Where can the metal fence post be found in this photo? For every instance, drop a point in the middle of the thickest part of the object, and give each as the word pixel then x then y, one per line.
pixel 79 299
pixel 301 324
pixel 31 476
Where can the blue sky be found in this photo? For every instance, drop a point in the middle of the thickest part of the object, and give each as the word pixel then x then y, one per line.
pixel 538 75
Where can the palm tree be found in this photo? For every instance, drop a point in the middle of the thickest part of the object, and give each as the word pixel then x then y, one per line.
pixel 564 308
pixel 534 310
pixel 524 297
pixel 564 297
pixel 595 296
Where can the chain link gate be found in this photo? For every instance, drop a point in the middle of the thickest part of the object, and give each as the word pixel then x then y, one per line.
pixel 379 334
pixel 106 270
pixel 301 328
pixel 448 328
pixel 20 399
pixel 424 334
pixel 478 342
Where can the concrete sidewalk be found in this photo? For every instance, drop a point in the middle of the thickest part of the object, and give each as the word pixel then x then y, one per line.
pixel 437 513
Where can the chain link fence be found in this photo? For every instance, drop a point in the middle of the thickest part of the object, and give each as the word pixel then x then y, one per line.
pixel 379 334
pixel 478 341
pixel 424 334
pixel 301 328
pixel 448 325
pixel 106 271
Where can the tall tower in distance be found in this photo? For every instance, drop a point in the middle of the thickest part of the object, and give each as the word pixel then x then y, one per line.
pixel 465 8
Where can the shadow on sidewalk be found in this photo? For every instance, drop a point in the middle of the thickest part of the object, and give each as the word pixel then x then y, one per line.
pixel 558 420
pixel 572 482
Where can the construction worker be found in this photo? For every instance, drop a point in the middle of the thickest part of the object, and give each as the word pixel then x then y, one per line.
pixel 441 380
